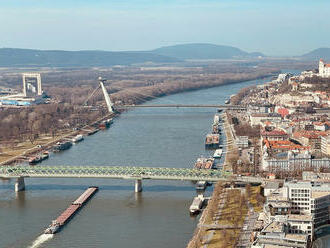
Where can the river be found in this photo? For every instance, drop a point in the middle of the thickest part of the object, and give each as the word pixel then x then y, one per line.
pixel 116 216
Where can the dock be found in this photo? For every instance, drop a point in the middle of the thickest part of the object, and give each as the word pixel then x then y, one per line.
pixel 65 217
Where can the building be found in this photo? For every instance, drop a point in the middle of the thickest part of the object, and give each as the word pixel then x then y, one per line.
pixel 276 234
pixel 316 176
pixel 295 163
pixel 310 198
pixel 324 69
pixel 257 118
pixel 270 187
pixel 325 145
pixel 274 135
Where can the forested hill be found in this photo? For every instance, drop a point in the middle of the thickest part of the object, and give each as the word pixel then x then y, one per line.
pixel 204 51
pixel 13 57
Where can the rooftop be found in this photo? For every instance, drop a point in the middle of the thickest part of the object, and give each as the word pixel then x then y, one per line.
pixel 272 185
pixel 274 227
pixel 318 194
pixel 298 217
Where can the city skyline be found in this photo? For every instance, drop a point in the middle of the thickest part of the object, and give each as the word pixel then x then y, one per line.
pixel 273 28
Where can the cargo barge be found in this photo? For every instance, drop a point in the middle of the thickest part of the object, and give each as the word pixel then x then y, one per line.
pixel 70 211
pixel 212 140
pixel 204 163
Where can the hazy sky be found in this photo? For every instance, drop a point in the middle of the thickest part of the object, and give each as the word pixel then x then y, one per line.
pixel 281 27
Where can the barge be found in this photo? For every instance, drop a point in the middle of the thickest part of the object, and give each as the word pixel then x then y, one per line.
pixel 201 185
pixel 216 129
pixel 212 140
pixel 39 158
pixel 78 138
pixel 64 218
pixel 204 163
pixel 105 124
pixel 196 205
pixel 61 146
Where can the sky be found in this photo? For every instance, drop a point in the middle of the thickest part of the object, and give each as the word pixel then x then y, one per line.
pixel 275 28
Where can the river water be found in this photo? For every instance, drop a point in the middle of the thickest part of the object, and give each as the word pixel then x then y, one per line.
pixel 116 216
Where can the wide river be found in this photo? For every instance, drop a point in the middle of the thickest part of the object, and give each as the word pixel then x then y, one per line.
pixel 116 216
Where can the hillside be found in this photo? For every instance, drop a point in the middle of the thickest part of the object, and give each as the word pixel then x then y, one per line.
pixel 320 53
pixel 204 51
pixel 12 57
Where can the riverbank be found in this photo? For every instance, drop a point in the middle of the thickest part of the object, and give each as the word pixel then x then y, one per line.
pixel 23 150
pixel 18 151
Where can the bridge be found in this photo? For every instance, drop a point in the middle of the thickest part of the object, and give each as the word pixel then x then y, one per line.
pixel 219 106
pixel 117 172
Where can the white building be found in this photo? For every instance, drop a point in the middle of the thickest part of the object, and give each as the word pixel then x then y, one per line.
pixel 324 69
pixel 325 145
pixel 311 199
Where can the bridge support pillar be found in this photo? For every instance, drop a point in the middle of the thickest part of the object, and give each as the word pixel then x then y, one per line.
pixel 20 184
pixel 138 185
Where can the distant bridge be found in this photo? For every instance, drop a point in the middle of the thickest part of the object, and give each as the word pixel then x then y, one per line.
pixel 117 172
pixel 234 107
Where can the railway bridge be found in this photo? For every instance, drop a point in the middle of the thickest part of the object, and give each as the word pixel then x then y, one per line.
pixel 119 172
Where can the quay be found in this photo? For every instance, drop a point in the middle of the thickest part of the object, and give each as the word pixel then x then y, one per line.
pixel 65 217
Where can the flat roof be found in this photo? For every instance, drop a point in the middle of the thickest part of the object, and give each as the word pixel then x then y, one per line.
pixel 299 237
pixel 318 194
pixel 272 185
pixel 300 217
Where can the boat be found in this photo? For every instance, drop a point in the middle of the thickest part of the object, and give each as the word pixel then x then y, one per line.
pixel 105 124
pixel 61 146
pixel 53 228
pixel 45 155
pixel 35 160
pixel 201 185
pixel 196 205
pixel 216 129
pixel 78 138
pixel 217 153
pixel 227 101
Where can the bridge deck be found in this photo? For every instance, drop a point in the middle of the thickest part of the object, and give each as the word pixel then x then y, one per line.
pixel 120 172
pixel 183 106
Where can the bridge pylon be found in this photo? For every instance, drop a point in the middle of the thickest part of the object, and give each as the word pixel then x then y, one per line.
pixel 138 186
pixel 20 184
